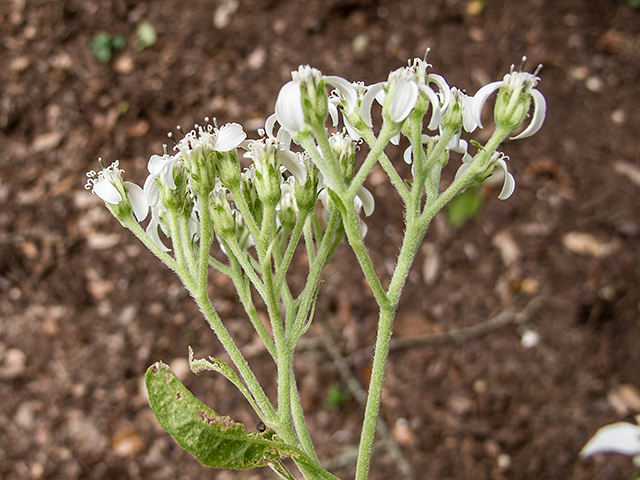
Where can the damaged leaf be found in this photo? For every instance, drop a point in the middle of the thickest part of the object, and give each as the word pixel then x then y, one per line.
pixel 215 440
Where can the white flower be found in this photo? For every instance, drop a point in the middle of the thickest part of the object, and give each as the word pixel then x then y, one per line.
pixel 509 184
pixel 516 83
pixel 160 168
pixel 109 186
pixel 406 84
pixel 621 437
pixel 289 111
pixel 201 141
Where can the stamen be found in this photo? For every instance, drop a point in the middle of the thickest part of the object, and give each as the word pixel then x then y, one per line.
pixel 524 60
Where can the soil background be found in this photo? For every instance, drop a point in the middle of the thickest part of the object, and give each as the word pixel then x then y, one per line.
pixel 85 309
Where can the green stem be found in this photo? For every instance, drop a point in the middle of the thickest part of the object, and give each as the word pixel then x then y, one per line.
pixel 244 294
pixel 376 152
pixel 206 238
pixel 268 413
pixel 316 267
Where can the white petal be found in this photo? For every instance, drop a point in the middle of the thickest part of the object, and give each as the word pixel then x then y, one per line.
pixel 151 190
pixel 404 99
pixel 367 102
pixel 290 161
pixel 167 174
pixel 539 112
pixel 509 184
pixel 155 164
pixel 139 201
pixel 368 202
pixel 508 187
pixel 436 114
pixel 395 139
pixel 468 122
pixel 107 192
pixel 480 98
pixel 152 232
pixel 407 156
pixel 350 130
pixel 333 111
pixel 229 137
pixel 346 89
pixel 621 437
pixel 269 125
pixel 443 89
pixel 289 107
pixel 362 226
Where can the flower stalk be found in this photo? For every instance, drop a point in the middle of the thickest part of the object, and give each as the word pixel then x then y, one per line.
pixel 307 183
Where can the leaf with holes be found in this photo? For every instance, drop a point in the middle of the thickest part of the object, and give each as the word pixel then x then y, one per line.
pixel 215 440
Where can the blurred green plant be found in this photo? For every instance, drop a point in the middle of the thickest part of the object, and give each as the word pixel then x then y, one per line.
pixel 335 397
pixel 104 44
pixel 146 36
pixel 633 3
pixel 463 207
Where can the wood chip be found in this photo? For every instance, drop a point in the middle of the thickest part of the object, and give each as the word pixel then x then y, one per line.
pixel 624 399
pixel 629 170
pixel 509 250
pixel 432 263
pixel 127 442
pixel 46 141
pixel 585 244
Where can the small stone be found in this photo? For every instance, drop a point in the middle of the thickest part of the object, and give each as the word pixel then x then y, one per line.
pixel 594 84
pixel 402 432
pixel 530 338
pixel 139 129
pixel 504 462
pixel 124 64
pixel 360 43
pixel 618 116
pixel 256 59
pixel 580 73
pixel 13 364
pixel 19 64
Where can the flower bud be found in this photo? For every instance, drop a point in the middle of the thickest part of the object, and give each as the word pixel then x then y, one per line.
pixel 229 169
pixel 123 199
pixel 315 102
pixel 222 216
pixel 267 170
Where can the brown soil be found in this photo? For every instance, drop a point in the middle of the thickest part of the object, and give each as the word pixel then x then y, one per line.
pixel 85 309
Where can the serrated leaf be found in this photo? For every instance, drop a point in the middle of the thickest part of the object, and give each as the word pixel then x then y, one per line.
pixel 215 440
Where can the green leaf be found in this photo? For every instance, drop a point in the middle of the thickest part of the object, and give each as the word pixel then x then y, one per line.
pixel 101 47
pixel 215 440
pixel 463 207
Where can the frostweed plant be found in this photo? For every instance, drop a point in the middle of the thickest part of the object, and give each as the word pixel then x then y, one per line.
pixel 302 183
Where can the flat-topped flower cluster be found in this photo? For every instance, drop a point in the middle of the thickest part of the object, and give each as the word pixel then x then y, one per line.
pixel 206 166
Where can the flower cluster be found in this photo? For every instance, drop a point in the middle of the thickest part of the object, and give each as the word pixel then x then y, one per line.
pixel 205 170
